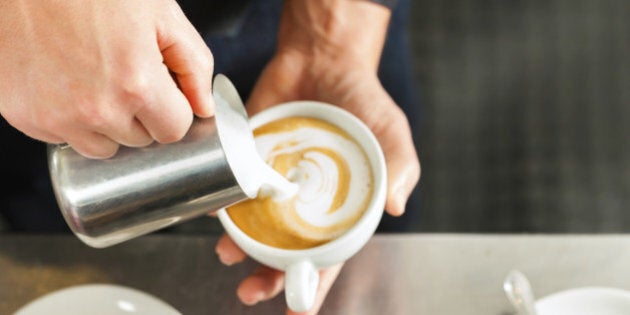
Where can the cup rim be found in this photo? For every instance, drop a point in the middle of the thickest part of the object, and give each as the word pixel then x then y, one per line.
pixel 377 162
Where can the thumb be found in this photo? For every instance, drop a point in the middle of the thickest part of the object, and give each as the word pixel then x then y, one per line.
pixel 391 127
pixel 403 166
pixel 189 59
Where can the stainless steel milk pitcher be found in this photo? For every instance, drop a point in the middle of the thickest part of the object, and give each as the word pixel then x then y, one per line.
pixel 141 190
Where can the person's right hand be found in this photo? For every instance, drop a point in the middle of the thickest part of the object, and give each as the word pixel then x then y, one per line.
pixel 96 74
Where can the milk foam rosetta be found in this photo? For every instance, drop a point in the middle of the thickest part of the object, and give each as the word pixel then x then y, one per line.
pixel 334 181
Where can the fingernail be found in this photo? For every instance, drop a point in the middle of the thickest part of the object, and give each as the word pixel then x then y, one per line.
pixel 254 300
pixel 210 109
pixel 224 258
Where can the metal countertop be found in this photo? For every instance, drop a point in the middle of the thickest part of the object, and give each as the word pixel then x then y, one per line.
pixel 394 274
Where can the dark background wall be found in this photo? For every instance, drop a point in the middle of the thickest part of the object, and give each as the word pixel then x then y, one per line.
pixel 527 115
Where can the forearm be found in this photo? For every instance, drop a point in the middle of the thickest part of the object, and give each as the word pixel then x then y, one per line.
pixel 349 32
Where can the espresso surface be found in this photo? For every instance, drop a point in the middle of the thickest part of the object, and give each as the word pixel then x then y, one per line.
pixel 334 179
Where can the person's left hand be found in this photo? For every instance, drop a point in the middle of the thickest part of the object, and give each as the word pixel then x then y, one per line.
pixel 290 76
pixel 329 51
pixel 265 283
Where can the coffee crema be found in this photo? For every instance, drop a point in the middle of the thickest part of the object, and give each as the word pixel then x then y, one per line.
pixel 332 172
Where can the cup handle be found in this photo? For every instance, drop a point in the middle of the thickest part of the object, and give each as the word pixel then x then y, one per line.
pixel 301 281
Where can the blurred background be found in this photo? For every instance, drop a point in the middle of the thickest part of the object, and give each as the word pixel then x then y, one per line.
pixel 526 123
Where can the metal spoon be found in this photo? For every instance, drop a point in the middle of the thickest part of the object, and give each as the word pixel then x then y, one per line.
pixel 519 292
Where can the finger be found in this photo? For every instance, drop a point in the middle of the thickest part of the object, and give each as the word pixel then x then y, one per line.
pixel 264 284
pixel 166 115
pixel 403 166
pixel 32 126
pixel 131 134
pixel 189 58
pixel 49 139
pixel 229 253
pixel 391 127
pixel 92 145
pixel 44 136
pixel 326 279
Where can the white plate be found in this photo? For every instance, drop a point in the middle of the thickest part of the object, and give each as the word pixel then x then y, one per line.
pixel 97 299
pixel 586 301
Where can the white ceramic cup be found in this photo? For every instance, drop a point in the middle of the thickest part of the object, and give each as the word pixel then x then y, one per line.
pixel 301 266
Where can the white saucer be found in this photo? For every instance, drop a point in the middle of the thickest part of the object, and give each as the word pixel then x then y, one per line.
pixel 97 299
pixel 586 301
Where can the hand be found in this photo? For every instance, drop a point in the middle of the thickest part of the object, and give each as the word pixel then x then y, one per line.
pixel 265 283
pixel 337 66
pixel 96 74
pixel 360 93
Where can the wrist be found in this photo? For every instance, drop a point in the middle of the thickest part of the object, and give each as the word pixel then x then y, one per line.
pixel 346 33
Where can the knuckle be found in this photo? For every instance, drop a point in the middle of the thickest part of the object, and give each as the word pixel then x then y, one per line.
pixel 136 92
pixel 175 133
pixel 206 62
pixel 93 115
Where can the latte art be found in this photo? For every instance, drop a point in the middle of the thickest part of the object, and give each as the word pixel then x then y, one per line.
pixel 333 176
